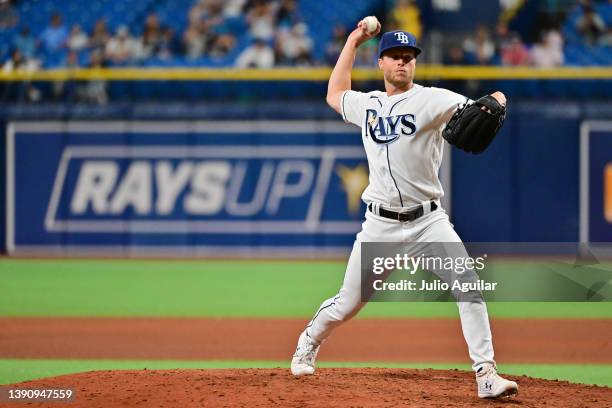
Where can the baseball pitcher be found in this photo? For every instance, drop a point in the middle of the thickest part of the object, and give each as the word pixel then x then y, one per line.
pixel 403 129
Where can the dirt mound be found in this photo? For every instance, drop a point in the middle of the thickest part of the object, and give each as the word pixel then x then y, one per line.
pixel 338 387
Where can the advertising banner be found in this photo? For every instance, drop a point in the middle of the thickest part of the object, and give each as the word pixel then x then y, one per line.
pixel 221 188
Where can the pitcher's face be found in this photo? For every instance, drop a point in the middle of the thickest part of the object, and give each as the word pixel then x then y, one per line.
pixel 398 66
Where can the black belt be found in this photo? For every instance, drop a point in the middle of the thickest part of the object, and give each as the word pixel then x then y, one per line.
pixel 404 216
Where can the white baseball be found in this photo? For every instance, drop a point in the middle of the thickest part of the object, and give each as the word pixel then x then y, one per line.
pixel 371 23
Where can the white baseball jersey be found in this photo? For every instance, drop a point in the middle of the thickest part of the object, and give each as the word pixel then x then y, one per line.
pixel 402 135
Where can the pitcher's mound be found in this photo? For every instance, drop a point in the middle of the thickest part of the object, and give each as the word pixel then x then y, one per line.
pixel 337 387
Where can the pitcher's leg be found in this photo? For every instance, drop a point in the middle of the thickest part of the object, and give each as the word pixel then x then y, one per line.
pixel 340 308
pixel 331 313
pixel 477 332
pixel 473 314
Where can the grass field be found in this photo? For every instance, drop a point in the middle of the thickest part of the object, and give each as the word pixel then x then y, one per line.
pixel 214 289
pixel 226 289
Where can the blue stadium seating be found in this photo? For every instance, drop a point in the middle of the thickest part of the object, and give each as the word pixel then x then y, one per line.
pixel 35 14
pixel 576 51
pixel 320 17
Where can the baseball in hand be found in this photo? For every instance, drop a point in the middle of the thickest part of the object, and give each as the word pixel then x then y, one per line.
pixel 371 23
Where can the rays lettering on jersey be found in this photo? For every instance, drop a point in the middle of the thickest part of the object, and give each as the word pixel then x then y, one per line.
pixel 387 129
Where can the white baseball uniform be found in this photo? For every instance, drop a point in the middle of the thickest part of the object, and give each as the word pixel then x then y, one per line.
pixel 402 136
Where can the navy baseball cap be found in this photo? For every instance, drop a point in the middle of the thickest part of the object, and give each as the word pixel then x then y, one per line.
pixel 395 39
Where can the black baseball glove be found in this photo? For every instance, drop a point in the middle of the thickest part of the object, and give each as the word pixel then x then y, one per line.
pixel 473 127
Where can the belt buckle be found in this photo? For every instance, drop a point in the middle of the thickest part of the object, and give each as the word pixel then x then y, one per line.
pixel 413 215
pixel 410 216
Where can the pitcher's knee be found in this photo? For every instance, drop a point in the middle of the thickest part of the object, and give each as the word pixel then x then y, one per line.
pixel 346 308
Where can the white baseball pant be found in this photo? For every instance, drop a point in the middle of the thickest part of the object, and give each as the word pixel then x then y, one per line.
pixel 431 227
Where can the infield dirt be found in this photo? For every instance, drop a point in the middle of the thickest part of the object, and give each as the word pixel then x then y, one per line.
pixel 333 387
pixel 383 340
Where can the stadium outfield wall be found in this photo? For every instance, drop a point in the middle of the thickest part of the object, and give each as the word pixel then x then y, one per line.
pixel 223 179
pixel 194 84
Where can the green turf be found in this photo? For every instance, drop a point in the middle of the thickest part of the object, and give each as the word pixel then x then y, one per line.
pixel 17 370
pixel 30 287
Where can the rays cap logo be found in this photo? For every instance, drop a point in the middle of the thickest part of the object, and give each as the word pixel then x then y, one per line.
pixel 395 39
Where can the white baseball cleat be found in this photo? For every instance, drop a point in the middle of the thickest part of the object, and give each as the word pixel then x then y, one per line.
pixel 491 385
pixel 303 362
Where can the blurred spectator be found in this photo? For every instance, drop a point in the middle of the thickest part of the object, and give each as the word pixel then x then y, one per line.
pixel 335 45
pixel 366 53
pixel 515 52
pixel 406 16
pixel 455 56
pixel 233 8
pixel 209 11
pixel 77 39
pixel 258 55
pixel 261 20
pixel 248 5
pixel 65 89
pixel 205 10
pixel 215 29
pixel 479 49
pixel 25 43
pixel 169 46
pixel 99 36
pixel 16 62
pixel 195 39
pixel 221 45
pixel 287 14
pixel 8 16
pixel 503 37
pixel 207 32
pixel 122 48
pixel 197 10
pixel 294 46
pixel 590 25
pixel 54 37
pixel 96 60
pixel 606 40
pixel 151 35
pixel 548 52
pixel 94 91
pixel 72 60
